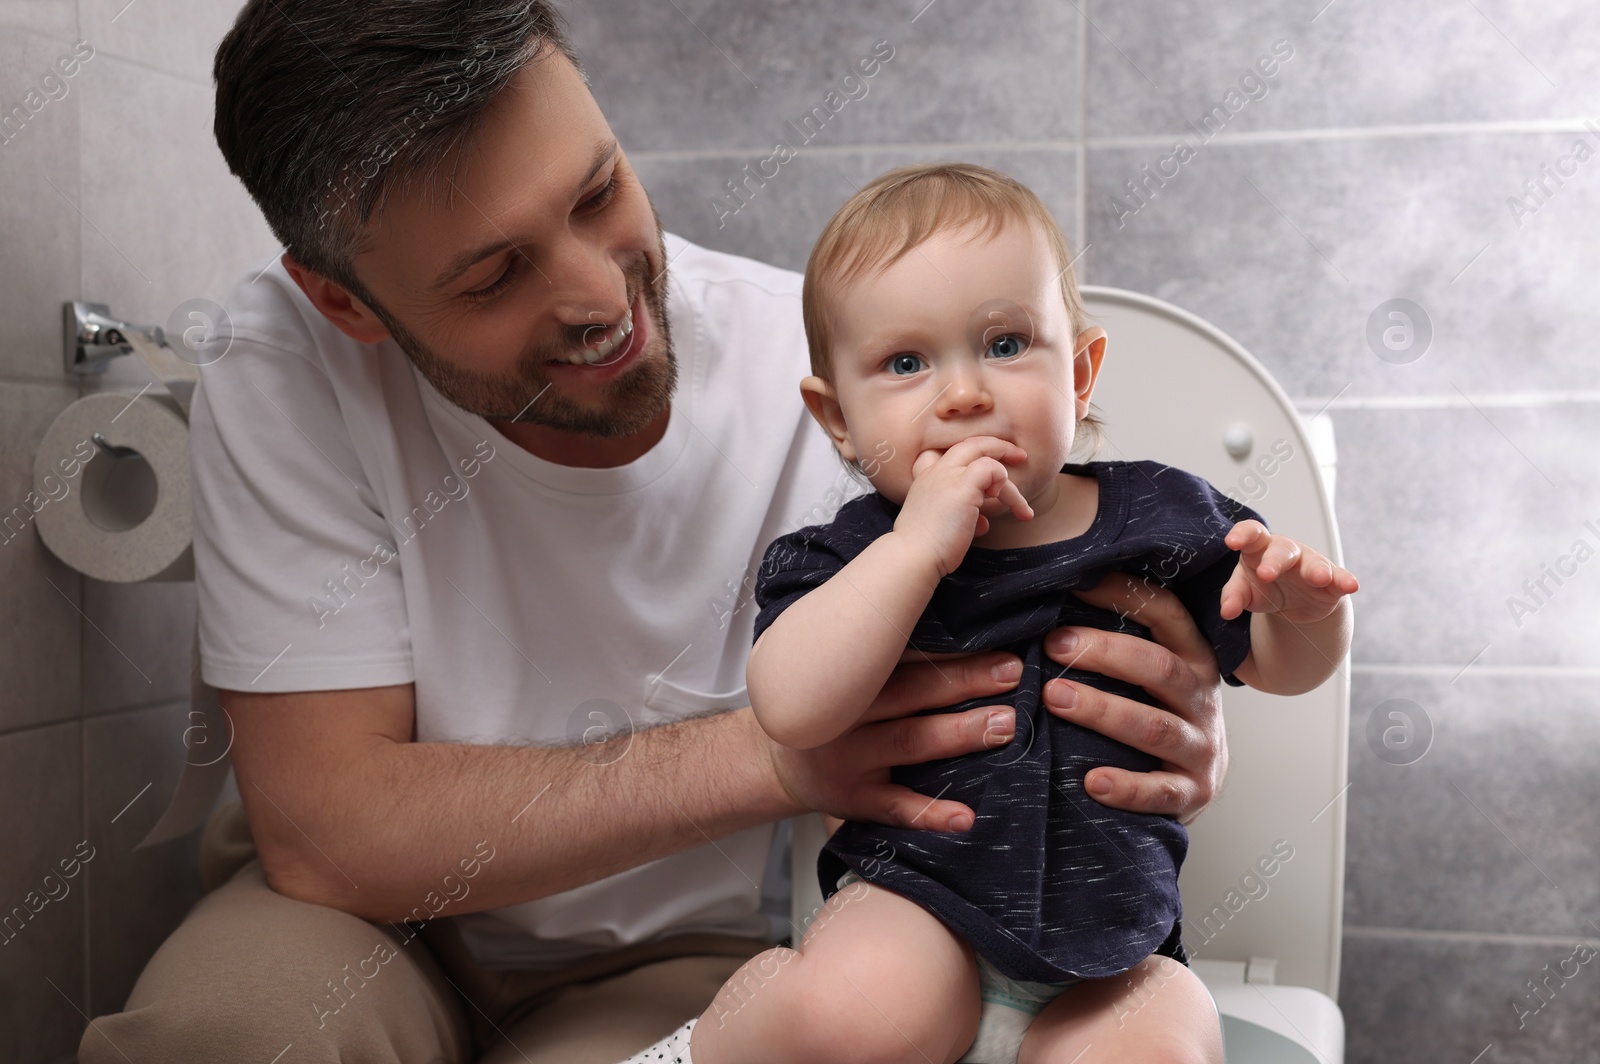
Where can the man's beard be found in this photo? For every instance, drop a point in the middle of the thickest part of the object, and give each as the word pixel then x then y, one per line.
pixel 626 405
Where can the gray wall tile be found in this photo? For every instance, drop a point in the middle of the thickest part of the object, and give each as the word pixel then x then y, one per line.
pixel 1478 835
pixel 41 964
pixel 178 37
pixel 138 654
pixel 783 218
pixel 1155 66
pixel 726 74
pixel 1291 248
pixel 39 622
pixel 39 171
pixel 54 18
pixel 1445 513
pixel 1449 1000
pixel 139 896
pixel 179 226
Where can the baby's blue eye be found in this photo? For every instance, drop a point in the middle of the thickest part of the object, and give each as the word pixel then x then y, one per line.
pixel 1007 346
pixel 903 365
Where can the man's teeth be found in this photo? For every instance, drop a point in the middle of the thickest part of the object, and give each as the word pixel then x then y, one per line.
pixel 608 347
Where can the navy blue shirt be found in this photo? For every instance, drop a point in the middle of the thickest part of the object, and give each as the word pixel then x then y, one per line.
pixel 1048 884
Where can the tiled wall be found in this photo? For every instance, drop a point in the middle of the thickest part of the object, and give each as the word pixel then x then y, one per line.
pixel 114 193
pixel 1375 163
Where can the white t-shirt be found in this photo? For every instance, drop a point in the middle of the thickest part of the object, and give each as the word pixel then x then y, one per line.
pixel 353 528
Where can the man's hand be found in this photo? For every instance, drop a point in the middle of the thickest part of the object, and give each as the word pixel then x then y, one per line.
pixel 1179 670
pixel 849 777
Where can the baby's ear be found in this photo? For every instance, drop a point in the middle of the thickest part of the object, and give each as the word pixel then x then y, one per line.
pixel 823 402
pixel 1089 351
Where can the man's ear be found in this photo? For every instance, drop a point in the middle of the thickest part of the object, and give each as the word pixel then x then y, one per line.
pixel 352 317
pixel 823 403
pixel 1089 350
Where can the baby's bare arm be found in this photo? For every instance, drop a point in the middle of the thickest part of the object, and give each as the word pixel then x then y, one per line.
pixel 815 671
pixel 813 674
pixel 1301 620
pixel 1289 659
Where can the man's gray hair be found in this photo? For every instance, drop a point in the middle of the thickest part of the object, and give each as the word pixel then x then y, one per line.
pixel 323 109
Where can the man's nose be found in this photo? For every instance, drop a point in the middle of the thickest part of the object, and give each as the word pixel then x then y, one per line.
pixel 590 286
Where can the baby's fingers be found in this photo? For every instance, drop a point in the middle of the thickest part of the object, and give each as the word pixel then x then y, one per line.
pixel 1235 594
pixel 1248 537
pixel 1315 569
pixel 1281 555
pixel 1012 496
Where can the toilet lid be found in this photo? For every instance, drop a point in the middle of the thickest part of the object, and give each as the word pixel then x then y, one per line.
pixel 1176 389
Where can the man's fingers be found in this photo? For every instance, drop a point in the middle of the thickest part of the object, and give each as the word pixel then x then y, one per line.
pixel 1158 610
pixel 1160 793
pixel 913 740
pixel 924 681
pixel 903 807
pixel 1143 727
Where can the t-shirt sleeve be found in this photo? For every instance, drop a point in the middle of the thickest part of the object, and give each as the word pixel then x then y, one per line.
pixel 287 534
pixel 1201 590
pixel 793 565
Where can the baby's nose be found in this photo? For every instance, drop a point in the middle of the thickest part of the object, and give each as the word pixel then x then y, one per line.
pixel 964 392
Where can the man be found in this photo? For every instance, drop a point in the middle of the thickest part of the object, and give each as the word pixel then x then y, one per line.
pixel 481 485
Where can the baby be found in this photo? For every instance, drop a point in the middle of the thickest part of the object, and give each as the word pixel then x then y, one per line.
pixel 953 368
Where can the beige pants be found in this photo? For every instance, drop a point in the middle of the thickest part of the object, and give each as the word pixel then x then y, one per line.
pixel 251 975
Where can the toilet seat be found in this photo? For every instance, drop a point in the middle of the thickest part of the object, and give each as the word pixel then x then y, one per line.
pixel 1270 1024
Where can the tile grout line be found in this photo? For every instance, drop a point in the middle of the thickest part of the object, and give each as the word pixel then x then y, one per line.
pixel 1081 200
pixel 88 886
pixel 1568 397
pixel 1149 140
pixel 90 718
pixel 1419 669
pixel 1504 938
pixel 83 723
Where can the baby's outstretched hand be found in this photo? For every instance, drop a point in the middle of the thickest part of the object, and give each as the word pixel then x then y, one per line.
pixel 1276 574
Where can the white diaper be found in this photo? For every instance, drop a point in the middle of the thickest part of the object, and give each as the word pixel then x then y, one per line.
pixel 1009 1006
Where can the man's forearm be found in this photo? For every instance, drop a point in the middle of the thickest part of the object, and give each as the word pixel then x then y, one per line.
pixel 409 821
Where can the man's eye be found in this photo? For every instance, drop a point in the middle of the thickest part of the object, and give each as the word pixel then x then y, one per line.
pixel 903 365
pixel 1008 346
pixel 499 284
pixel 607 192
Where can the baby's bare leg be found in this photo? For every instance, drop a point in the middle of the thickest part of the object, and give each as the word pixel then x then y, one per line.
pixel 876 980
pixel 1157 1012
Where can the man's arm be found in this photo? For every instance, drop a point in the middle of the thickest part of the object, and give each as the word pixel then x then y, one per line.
pixel 348 812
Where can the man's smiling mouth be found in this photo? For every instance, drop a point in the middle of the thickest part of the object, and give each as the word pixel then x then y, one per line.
pixel 614 339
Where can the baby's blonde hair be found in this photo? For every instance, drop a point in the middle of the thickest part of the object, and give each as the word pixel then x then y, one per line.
pixel 896 211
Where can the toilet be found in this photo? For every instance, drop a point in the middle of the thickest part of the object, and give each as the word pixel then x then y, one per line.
pixel 1263 882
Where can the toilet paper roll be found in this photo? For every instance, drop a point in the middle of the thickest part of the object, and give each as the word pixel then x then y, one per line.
pixel 112 477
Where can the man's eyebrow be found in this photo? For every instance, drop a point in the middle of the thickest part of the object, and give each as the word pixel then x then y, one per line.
pixel 464 261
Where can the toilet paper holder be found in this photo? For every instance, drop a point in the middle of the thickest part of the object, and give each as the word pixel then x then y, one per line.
pixel 92 337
